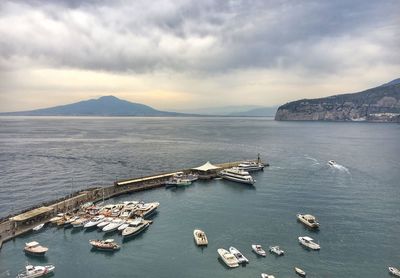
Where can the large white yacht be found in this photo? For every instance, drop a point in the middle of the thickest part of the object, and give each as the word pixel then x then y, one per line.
pixel 309 242
pixel 237 175
pixel 251 166
pixel 113 225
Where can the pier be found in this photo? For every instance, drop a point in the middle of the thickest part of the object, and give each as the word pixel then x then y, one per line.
pixel 24 222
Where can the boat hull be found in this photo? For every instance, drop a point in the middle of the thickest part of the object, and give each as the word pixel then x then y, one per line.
pixel 230 178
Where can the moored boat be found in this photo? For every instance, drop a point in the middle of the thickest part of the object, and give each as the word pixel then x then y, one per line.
pixel 258 250
pixel 94 222
pixel 104 245
pixel 276 250
pixel 200 237
pixel 237 175
pixel 309 243
pixel 79 223
pixel 38 227
pixel 308 220
pixel 300 272
pixel 113 225
pixel 36 271
pixel 34 248
pixel 135 228
pixel 251 166
pixel 239 256
pixel 104 223
pixel 229 259
pixel 146 209
pixel 394 271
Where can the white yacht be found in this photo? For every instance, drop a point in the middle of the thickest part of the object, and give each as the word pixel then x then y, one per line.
pixel 251 166
pixel 38 227
pixel 104 223
pixel 237 175
pixel 265 275
pixel 36 271
pixel 113 225
pixel 300 272
pixel 80 223
pixel 394 271
pixel 146 209
pixel 277 250
pixel 200 237
pixel 229 259
pixel 309 242
pixel 135 228
pixel 34 248
pixel 308 220
pixel 239 256
pixel 94 221
pixel 258 250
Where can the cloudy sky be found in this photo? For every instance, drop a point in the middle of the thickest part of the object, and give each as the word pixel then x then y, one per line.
pixel 185 54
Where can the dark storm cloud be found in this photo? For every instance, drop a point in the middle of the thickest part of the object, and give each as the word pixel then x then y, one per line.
pixel 198 36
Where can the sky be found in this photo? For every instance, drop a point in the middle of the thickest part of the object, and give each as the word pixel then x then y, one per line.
pixel 187 54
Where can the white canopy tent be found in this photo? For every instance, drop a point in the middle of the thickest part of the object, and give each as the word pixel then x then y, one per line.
pixel 206 167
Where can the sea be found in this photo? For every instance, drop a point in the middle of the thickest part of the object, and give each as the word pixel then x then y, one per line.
pixel 357 202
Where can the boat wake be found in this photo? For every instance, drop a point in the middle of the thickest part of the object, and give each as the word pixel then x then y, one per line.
pixel 314 160
pixel 5 274
pixel 340 168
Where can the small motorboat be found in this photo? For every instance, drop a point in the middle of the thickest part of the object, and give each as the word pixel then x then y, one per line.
pixel 394 271
pixel 332 163
pixel 276 250
pixel 36 271
pixel 265 275
pixel 308 220
pixel 135 228
pixel 113 225
pixel 309 242
pixel 104 223
pixel 34 248
pixel 94 222
pixel 258 250
pixel 229 259
pixel 200 237
pixel 300 272
pixel 104 245
pixel 239 256
pixel 38 227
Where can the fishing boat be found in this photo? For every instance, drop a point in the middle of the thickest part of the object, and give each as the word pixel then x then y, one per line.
pixel 309 243
pixel 308 220
pixel 239 256
pixel 113 225
pixel 36 271
pixel 394 271
pixel 94 222
pixel 104 245
pixel 38 227
pixel 135 228
pixel 258 250
pixel 276 250
pixel 237 175
pixel 229 259
pixel 200 237
pixel 34 248
pixel 265 275
pixel 300 272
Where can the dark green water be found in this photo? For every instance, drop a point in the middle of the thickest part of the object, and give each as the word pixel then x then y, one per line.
pixel 358 204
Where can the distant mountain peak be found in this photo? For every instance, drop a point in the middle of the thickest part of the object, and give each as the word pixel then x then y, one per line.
pixel 393 82
pixel 110 97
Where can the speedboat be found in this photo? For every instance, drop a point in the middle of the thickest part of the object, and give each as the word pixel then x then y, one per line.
pixel 239 256
pixel 308 220
pixel 146 209
pixel 105 245
pixel 394 271
pixel 251 166
pixel 34 248
pixel 300 272
pixel 113 225
pixel 36 271
pixel 229 259
pixel 94 222
pixel 38 227
pixel 237 175
pixel 104 223
pixel 258 250
pixel 135 228
pixel 277 250
pixel 332 163
pixel 265 275
pixel 125 225
pixel 309 242
pixel 200 237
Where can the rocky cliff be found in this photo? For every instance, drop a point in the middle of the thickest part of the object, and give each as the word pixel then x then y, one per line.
pixel 380 104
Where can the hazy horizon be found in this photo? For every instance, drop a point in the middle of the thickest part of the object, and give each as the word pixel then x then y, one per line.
pixel 185 55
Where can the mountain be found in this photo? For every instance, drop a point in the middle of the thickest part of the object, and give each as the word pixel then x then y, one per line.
pixel 380 104
pixel 257 112
pixel 103 106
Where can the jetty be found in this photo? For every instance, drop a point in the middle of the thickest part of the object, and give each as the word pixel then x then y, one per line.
pixel 19 224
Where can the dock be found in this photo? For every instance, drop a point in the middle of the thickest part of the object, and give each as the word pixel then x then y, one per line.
pixel 24 222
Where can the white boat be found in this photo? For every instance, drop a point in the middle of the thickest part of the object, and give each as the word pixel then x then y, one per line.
pixel 229 259
pixel 265 275
pixel 80 223
pixel 36 271
pixel 34 248
pixel 146 209
pixel 237 175
pixel 251 166
pixel 114 224
pixel 239 256
pixel 309 242
pixel 308 220
pixel 332 163
pixel 128 211
pixel 104 223
pixel 125 225
pixel 68 222
pixel 105 245
pixel 135 228
pixel 183 182
pixel 300 272
pixel 200 237
pixel 94 221
pixel 394 271
pixel 258 250
pixel 277 250
pixel 38 227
